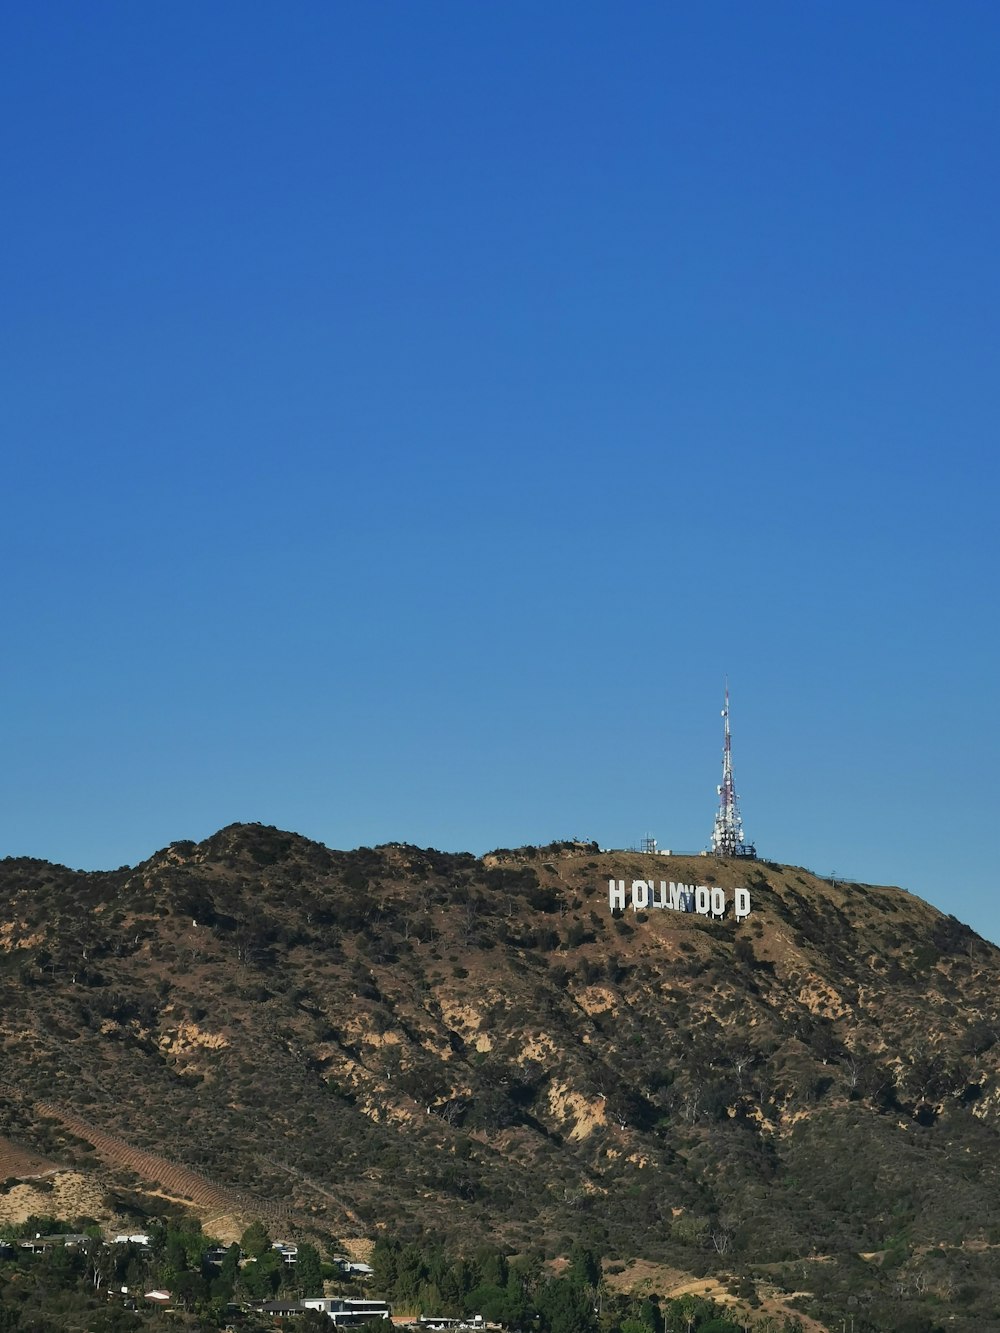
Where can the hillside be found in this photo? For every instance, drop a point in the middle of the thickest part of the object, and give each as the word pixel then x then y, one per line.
pixel 402 1041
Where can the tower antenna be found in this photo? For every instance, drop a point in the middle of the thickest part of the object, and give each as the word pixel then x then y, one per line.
pixel 727 836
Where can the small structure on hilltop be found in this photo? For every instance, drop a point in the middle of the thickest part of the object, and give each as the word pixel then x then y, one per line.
pixel 727 836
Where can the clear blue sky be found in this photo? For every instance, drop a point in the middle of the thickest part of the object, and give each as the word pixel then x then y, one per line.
pixel 412 412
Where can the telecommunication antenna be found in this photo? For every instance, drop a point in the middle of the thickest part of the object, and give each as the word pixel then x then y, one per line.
pixel 727 836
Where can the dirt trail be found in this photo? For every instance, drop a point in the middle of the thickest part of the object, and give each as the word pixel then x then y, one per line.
pixel 179 1181
pixel 231 1208
pixel 22 1162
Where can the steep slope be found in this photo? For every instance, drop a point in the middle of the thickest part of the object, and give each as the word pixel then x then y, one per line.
pixel 406 1039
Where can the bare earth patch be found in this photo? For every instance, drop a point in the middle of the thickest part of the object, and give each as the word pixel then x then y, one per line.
pixel 643 1278
pixel 72 1195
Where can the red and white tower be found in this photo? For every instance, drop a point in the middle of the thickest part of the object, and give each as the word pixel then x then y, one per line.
pixel 727 836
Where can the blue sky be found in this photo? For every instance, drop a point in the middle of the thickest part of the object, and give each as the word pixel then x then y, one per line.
pixel 411 413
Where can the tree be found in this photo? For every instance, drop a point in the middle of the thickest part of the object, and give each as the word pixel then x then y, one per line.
pixel 651 1316
pixel 722 1238
pixel 255 1241
pixel 688 1312
pixel 230 1266
pixel 100 1262
pixel 385 1261
pixel 313 1321
pixel 189 1289
pixel 309 1271
pixel 565 1307
pixel 498 1305
pixel 262 1278
pixel 584 1267
pixel 492 1266
pixel 411 1273
pixel 110 1321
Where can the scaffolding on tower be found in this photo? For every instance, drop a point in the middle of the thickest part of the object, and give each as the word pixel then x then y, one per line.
pixel 727 836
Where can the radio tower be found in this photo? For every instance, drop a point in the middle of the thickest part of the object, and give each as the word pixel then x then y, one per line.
pixel 727 836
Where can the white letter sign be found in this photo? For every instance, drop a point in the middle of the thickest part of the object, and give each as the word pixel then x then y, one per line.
pixel 703 899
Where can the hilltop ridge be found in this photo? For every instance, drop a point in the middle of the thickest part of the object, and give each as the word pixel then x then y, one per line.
pixel 402 1040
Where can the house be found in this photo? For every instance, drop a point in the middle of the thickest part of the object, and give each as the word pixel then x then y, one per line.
pixel 430 1321
pixel 351 1269
pixel 40 1243
pixel 348 1313
pixel 277 1309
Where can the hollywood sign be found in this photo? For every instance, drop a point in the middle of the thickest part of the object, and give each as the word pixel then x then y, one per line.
pixel 706 901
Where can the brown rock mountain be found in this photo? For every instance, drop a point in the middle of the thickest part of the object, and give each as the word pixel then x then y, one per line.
pixel 402 1040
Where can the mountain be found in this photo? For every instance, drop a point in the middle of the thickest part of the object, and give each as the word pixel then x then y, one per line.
pixel 396 1041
